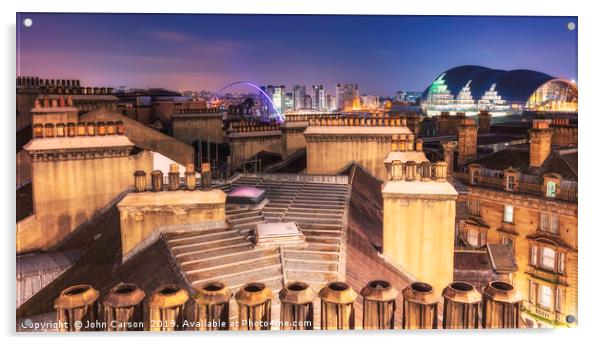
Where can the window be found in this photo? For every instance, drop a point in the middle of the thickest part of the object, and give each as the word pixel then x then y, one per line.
pixel 559 300
pixel 474 207
pixel 549 222
pixel 473 238
pixel 508 241
pixel 561 263
pixel 548 258
pixel 545 296
pixel 551 189
pixel 534 255
pixel 511 183
pixel 474 176
pixel 532 291
pixel 508 214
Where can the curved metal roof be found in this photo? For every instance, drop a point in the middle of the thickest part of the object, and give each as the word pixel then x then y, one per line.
pixel 515 86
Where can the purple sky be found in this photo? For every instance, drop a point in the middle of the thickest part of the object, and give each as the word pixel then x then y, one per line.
pixel 382 54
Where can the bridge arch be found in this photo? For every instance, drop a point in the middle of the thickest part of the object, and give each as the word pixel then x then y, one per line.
pixel 256 87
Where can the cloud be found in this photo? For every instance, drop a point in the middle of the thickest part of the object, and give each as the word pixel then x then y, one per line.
pixel 171 36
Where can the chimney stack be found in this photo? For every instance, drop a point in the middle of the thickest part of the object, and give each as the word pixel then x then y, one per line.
pixel 76 305
pixel 501 305
pixel 467 140
pixel 540 137
pixel 296 307
pixel 338 311
pixel 254 306
pixel 174 176
pixel 212 308
pixel 122 308
pixel 449 148
pixel 484 121
pixel 419 144
pixel 166 308
pixel 379 305
pixel 461 302
pixel 419 307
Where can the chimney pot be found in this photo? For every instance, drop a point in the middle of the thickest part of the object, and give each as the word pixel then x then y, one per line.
pixel 461 303
pixel 337 303
pixel 174 176
pixel 296 307
pixel 140 181
pixel 166 308
pixel 90 129
pixel 38 130
pixel 190 177
pixel 48 130
pixel 120 127
pixel 410 170
pixel 122 308
pixel 76 305
pixel 60 129
pixel 379 305
pixel 157 180
pixel 71 132
pixel 419 307
pixel 254 306
pixel 501 305
pixel 212 303
pixel 110 128
pixel 101 128
pixel 419 144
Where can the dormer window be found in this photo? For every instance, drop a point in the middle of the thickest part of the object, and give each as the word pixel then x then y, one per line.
pixel 511 183
pixel 551 189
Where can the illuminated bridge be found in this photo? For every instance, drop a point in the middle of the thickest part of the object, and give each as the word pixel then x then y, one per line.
pixel 277 113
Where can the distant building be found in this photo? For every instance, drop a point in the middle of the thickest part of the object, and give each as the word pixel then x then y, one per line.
pixel 369 102
pixel 318 97
pixel 298 97
pixel 347 96
pixel 288 101
pixel 277 95
pixel 470 89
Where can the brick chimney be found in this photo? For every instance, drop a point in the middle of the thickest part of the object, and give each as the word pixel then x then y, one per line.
pixel 484 121
pixel 540 137
pixel 467 140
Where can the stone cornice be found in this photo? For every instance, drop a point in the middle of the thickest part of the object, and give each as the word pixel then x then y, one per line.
pixel 525 201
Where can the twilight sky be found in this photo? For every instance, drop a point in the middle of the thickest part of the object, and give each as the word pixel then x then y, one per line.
pixel 382 54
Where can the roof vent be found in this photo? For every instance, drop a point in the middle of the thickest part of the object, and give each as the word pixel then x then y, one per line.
pixel 246 195
pixel 268 234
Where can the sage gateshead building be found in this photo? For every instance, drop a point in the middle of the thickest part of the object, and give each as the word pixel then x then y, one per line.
pixel 471 89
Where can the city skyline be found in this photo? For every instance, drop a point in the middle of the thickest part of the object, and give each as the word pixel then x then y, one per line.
pixel 185 53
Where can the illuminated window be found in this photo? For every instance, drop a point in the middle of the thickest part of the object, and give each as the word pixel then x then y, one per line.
pixel 548 258
pixel 508 214
pixel 545 296
pixel 551 189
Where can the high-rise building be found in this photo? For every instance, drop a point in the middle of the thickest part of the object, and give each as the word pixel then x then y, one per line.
pixel 308 102
pixel 298 97
pixel 369 102
pixel 331 102
pixel 277 95
pixel 347 96
pixel 288 101
pixel 318 97
pixel 400 96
